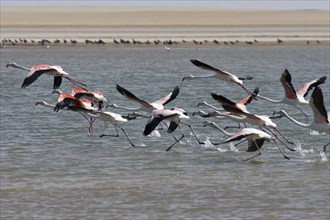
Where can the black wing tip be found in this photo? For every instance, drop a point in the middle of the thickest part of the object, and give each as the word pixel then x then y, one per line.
pixel 256 91
pixel 322 79
pixel 196 62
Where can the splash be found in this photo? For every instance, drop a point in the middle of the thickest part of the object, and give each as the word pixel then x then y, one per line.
pixel 323 156
pixel 233 147
pixel 155 133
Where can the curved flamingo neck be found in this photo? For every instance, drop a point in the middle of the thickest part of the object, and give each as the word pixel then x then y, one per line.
pixel 222 130
pixel 294 120
pixel 20 67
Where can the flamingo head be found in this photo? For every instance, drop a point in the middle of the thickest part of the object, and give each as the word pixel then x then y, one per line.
pixel 57 91
pixel 188 77
pixel 41 103
pixel 12 64
pixel 209 123
pixel 202 104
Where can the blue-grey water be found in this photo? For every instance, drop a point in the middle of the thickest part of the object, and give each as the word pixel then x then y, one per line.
pixel 52 169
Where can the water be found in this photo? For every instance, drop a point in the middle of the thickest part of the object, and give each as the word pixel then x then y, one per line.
pixel 51 168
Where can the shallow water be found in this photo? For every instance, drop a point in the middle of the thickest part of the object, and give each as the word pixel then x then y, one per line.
pixel 51 168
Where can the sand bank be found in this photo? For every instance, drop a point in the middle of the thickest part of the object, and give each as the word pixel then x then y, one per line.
pixel 151 24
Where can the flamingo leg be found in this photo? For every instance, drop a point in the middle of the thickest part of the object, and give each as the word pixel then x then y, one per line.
pixel 74 81
pixel 286 157
pixel 189 126
pixel 284 137
pixel 176 141
pixel 280 140
pixel 256 154
pixel 125 134
pixel 240 142
pixel 325 147
pixel 111 135
pixel 239 126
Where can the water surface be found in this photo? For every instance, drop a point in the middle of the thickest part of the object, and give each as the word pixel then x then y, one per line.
pixel 51 168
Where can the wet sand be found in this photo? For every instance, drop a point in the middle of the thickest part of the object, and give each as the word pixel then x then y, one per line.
pixel 147 26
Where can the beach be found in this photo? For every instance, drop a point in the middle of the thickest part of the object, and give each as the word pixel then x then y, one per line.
pixel 156 27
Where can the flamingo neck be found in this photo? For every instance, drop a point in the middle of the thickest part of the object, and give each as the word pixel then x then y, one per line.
pixel 294 120
pixel 268 99
pixel 222 130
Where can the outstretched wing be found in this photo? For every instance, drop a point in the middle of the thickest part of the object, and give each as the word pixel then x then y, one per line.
pixel 304 90
pixel 132 97
pixel 248 98
pixel 207 67
pixel 170 97
pixel 289 90
pixel 228 105
pixel 317 105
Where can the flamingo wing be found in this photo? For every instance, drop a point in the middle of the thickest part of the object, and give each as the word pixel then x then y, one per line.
pixel 254 145
pixel 289 90
pixel 248 98
pixel 208 67
pixel 304 90
pixel 228 105
pixel 57 82
pixel 36 71
pixel 317 105
pixel 170 97
pixel 172 127
pixel 132 97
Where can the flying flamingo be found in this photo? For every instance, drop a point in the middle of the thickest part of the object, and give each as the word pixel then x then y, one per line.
pixel 37 70
pixel 219 74
pixel 232 107
pixel 258 120
pixel 174 115
pixel 114 118
pixel 95 97
pixel 145 106
pixel 255 138
pixel 292 97
pixel 84 109
pixel 321 116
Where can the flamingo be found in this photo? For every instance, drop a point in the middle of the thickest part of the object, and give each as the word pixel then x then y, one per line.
pixel 231 111
pixel 95 97
pixel 145 106
pixel 114 118
pixel 255 137
pixel 83 110
pixel 321 117
pixel 232 107
pixel 37 70
pixel 258 120
pixel 292 97
pixel 174 115
pixel 219 74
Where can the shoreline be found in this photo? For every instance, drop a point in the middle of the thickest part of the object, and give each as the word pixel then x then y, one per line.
pixel 165 44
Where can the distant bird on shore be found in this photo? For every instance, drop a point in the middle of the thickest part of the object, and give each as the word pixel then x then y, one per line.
pixel 37 70
pixel 292 97
pixel 219 74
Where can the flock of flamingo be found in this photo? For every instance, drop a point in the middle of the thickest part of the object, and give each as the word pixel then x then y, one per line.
pixel 92 104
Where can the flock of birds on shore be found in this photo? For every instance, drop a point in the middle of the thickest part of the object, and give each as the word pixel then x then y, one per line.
pixel 169 42
pixel 92 104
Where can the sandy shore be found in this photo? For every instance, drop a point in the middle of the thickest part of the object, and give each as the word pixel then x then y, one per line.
pixel 26 26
